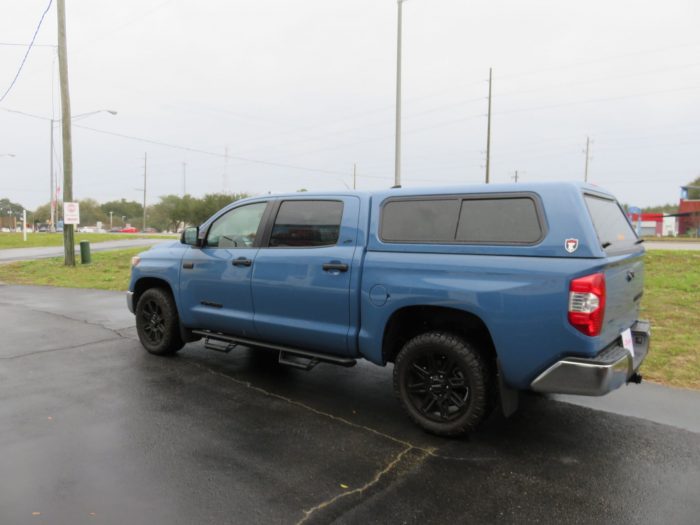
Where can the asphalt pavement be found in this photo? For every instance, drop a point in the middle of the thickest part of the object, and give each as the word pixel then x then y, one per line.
pixel 45 252
pixel 95 430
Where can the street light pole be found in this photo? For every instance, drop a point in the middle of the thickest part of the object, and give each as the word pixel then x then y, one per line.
pixel 53 202
pixel 488 133
pixel 397 153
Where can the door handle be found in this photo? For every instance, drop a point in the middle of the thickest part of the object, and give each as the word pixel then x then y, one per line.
pixel 340 267
pixel 242 261
pixel 188 265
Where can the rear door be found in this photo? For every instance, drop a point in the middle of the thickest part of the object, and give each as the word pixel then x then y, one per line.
pixel 624 269
pixel 301 278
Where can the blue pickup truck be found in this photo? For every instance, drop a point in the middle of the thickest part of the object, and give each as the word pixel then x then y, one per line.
pixel 474 293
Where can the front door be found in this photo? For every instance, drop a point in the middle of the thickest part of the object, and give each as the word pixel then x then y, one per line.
pixel 301 279
pixel 215 280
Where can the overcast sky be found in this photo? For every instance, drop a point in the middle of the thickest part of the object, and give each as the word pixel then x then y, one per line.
pixel 309 86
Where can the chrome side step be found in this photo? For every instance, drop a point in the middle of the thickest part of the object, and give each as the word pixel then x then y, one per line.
pixel 294 357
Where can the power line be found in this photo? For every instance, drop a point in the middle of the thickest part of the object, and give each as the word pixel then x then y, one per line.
pixel 24 59
pixel 17 44
pixel 211 153
pixel 601 59
pixel 593 100
pixel 187 148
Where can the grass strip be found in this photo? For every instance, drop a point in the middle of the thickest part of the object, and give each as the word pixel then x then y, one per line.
pixel 40 240
pixel 109 270
pixel 672 303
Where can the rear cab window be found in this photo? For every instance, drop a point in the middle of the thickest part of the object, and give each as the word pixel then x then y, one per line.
pixel 615 233
pixel 511 219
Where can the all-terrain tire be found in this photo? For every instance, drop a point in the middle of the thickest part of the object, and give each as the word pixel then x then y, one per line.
pixel 157 322
pixel 443 383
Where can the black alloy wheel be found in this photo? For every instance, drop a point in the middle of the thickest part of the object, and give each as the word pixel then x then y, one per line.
pixel 437 386
pixel 443 383
pixel 153 322
pixel 157 322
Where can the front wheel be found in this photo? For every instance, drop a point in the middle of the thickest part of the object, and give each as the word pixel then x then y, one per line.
pixel 443 383
pixel 157 322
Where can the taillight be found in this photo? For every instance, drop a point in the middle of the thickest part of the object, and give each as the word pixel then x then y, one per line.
pixel 587 303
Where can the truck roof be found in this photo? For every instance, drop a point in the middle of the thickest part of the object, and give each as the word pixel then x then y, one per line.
pixel 382 194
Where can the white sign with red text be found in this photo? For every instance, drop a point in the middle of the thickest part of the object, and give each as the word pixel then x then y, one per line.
pixel 71 213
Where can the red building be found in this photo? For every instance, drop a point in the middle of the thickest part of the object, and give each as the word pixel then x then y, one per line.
pixel 688 212
pixel 652 223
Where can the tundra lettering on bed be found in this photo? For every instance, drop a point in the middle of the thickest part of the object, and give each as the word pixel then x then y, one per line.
pixel 473 293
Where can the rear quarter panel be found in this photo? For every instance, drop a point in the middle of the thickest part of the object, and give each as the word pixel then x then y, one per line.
pixel 522 300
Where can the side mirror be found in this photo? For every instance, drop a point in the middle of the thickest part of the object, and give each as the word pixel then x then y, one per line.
pixel 190 236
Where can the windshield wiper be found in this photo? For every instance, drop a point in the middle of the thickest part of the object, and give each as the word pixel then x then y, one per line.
pixel 606 244
pixel 639 241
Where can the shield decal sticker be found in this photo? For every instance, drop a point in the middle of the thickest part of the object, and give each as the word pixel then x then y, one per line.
pixel 571 245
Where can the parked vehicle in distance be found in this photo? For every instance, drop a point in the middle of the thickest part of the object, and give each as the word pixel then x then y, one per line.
pixel 129 229
pixel 473 293
pixel 151 230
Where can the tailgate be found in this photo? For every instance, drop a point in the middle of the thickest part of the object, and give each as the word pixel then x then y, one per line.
pixel 623 266
pixel 624 284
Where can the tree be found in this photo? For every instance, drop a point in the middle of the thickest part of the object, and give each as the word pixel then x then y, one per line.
pixel 43 213
pixel 694 193
pixel 7 207
pixel 132 210
pixel 207 206
pixel 91 213
pixel 665 208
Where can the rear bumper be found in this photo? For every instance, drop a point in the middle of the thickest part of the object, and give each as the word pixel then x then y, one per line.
pixel 130 301
pixel 598 375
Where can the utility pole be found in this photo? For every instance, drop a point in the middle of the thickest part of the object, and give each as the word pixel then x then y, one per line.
pixel 588 151
pixel 515 177
pixel 397 153
pixel 488 132
pixel 184 179
pixel 145 165
pixel 68 234
pixel 354 176
pixel 110 220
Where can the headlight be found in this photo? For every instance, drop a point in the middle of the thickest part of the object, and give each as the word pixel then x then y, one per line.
pixel 135 260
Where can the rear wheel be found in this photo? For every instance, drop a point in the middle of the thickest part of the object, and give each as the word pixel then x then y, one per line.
pixel 443 383
pixel 157 322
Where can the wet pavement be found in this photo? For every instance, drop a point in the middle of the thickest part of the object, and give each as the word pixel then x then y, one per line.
pixel 95 430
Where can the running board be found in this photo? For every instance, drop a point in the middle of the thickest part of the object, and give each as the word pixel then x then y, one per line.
pixel 288 356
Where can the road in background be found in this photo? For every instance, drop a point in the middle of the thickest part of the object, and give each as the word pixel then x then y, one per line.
pixel 94 428
pixel 26 254
pixel 671 245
